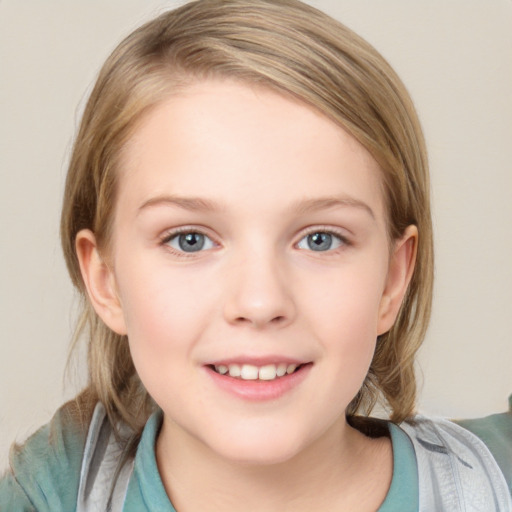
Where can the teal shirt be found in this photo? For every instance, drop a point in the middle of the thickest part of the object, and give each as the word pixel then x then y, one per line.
pixel 146 490
pixel 44 472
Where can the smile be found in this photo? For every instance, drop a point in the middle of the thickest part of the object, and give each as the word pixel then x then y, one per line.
pixel 252 372
pixel 258 381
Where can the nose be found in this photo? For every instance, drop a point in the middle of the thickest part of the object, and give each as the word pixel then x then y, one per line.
pixel 259 293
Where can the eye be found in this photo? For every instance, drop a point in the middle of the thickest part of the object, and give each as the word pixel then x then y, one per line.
pixel 190 241
pixel 321 241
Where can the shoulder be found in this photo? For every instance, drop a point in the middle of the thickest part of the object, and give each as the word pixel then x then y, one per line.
pixel 107 463
pixel 456 467
pixel 44 471
pixel 496 432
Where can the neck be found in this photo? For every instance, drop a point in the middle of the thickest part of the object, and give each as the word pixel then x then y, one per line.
pixel 333 473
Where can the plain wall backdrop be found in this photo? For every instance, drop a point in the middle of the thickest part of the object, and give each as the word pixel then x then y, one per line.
pixel 454 56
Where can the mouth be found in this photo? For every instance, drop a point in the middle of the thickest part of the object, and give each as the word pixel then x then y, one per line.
pixel 250 372
pixel 258 379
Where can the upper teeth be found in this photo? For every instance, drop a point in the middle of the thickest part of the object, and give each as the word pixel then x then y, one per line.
pixel 251 372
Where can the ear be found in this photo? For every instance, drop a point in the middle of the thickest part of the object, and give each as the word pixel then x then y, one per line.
pixel 100 282
pixel 401 267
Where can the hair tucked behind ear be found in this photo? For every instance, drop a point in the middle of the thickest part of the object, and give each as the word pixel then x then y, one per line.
pixel 289 47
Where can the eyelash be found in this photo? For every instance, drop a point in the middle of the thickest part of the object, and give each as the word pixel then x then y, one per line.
pixel 180 231
pixel 345 242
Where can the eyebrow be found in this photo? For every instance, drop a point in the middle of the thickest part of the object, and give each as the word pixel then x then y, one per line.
pixel 187 203
pixel 324 203
pixel 302 206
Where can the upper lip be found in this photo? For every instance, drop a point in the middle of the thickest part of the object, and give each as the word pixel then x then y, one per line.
pixel 257 360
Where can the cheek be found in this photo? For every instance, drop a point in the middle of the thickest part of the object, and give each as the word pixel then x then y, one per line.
pixel 162 326
pixel 349 347
pixel 346 301
pixel 343 312
pixel 164 309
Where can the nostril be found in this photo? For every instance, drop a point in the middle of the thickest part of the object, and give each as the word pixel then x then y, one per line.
pixel 276 320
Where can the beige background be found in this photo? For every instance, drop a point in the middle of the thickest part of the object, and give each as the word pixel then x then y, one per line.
pixel 455 57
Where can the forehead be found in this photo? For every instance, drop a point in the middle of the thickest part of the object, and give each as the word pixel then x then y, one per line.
pixel 234 142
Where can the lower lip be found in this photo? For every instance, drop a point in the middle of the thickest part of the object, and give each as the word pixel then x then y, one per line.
pixel 259 390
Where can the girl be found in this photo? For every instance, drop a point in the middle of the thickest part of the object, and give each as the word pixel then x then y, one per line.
pixel 247 217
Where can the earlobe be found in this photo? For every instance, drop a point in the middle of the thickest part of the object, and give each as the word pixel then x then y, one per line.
pixel 400 272
pixel 99 281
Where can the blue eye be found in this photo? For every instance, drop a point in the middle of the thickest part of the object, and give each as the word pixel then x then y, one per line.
pixel 320 241
pixel 190 242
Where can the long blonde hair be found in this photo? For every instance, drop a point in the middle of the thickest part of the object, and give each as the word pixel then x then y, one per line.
pixel 297 50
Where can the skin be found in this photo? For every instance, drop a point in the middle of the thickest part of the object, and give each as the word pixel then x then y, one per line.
pixel 263 170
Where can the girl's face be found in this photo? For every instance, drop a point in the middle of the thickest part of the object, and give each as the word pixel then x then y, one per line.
pixel 250 238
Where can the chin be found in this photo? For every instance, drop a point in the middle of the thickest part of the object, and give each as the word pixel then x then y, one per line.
pixel 258 447
pixel 255 456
